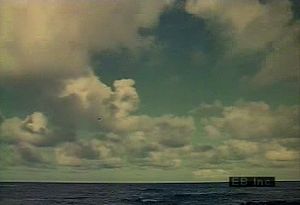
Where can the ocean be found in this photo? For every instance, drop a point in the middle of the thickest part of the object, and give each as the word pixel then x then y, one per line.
pixel 151 193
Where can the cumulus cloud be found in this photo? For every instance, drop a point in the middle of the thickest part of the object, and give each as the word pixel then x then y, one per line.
pixel 278 152
pixel 275 154
pixel 36 123
pixel 246 18
pixel 150 145
pixel 282 62
pixel 163 160
pixel 237 149
pixel 45 48
pixel 44 54
pixel 282 155
pixel 126 98
pixel 30 130
pixel 88 153
pixel 244 154
pixel 254 120
pixel 205 109
pixel 23 153
pixel 252 133
pixel 258 26
pixel 55 37
pixel 139 137
pixel 173 131
pixel 227 153
pixel 117 105
pixel 27 153
pixel 34 130
pixel 210 174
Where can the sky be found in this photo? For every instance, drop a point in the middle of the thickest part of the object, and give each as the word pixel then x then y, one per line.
pixel 161 90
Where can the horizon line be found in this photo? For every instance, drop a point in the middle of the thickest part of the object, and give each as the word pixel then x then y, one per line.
pixel 129 182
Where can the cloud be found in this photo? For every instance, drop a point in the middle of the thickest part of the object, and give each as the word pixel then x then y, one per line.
pixel 34 130
pixel 261 27
pixel 239 14
pixel 252 134
pixel 45 49
pixel 210 174
pixel 23 154
pixel 254 120
pixel 173 131
pixel 163 157
pixel 138 146
pixel 229 152
pixel 15 130
pixel 237 149
pixel 161 160
pixel 282 62
pixel 27 153
pixel 275 154
pixel 205 109
pixel 246 18
pixel 46 45
pixel 116 106
pixel 55 37
pixel 157 143
pixel 36 123
pixel 282 155
pixel 89 153
pixel 140 138
pixel 278 152
pixel 126 98
pixel 240 154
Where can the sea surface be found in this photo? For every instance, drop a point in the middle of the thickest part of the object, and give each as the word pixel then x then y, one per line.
pixel 138 193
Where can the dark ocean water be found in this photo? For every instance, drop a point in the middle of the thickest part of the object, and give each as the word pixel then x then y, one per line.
pixel 202 193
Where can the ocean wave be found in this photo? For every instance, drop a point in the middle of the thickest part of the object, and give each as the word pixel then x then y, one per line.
pixel 202 194
pixel 141 200
pixel 277 202
pixel 151 190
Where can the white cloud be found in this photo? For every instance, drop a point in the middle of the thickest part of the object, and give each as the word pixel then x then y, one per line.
pixel 252 134
pixel 89 90
pixel 282 62
pixel 205 109
pixel 116 107
pixel 254 120
pixel 88 153
pixel 46 46
pixel 228 152
pixel 237 149
pixel 256 26
pixel 27 153
pixel 36 123
pixel 62 158
pixel 158 159
pixel 239 14
pixel 126 99
pixel 211 174
pixel 282 155
pixel 54 38
pixel 32 130
pixel 277 152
